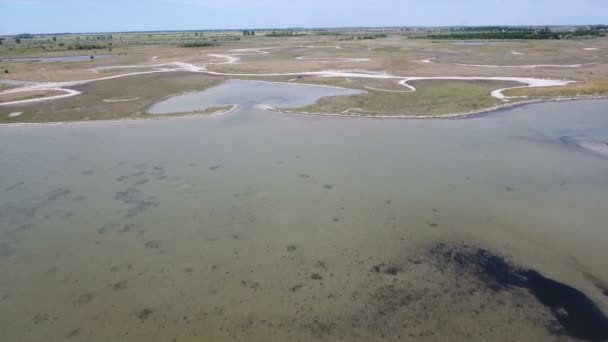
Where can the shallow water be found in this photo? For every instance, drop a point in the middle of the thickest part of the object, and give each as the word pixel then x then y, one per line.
pixel 259 226
pixel 248 94
pixel 77 58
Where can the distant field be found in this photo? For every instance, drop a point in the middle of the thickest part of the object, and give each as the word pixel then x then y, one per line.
pixel 381 51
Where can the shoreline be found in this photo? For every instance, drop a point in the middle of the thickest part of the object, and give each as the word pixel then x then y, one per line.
pixel 174 116
pixel 448 116
pixel 466 115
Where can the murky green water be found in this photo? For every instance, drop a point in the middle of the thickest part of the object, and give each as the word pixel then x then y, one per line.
pixel 260 226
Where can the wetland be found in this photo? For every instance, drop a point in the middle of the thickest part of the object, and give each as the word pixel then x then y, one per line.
pixel 266 226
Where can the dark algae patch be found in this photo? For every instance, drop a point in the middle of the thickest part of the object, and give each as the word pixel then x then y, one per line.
pixel 578 316
pixel 387 269
pixel 144 314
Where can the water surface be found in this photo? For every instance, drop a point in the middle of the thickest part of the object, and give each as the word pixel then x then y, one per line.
pixel 259 226
pixel 248 94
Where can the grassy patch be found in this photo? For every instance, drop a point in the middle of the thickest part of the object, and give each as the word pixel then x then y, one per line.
pixel 431 98
pixel 149 89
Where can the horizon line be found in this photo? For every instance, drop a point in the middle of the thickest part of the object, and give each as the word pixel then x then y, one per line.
pixel 300 28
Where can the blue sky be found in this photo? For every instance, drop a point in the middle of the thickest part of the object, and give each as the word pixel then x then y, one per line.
pixel 47 16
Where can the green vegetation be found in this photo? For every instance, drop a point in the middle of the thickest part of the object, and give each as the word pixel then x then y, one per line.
pixel 199 44
pixel 496 32
pixel 365 37
pixel 87 47
pixel 283 34
pixel 24 36
pixel 328 33
pixel 431 98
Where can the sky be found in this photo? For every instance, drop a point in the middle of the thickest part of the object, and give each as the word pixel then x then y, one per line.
pixel 53 16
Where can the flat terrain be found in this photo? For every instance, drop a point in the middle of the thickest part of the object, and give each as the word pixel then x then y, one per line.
pixel 377 66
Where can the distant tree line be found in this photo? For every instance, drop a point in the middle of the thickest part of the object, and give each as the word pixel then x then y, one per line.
pixel 198 44
pixel 519 33
pixel 86 47
pixel 225 37
pixel 283 34
pixel 328 33
pixel 248 33
pixel 24 36
pixel 365 37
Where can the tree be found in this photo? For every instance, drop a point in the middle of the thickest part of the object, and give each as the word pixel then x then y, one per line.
pixel 18 40
pixel 54 39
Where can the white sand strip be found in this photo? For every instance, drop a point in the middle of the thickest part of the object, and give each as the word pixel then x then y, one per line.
pixel 230 59
pixel 529 83
pixel 68 93
pixel 426 61
pixel 532 66
pixel 332 59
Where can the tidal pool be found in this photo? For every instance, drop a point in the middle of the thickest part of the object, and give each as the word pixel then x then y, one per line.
pixel 261 226
pixel 248 94
pixel 78 58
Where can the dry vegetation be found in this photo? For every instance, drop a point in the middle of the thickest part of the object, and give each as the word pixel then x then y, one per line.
pixel 91 105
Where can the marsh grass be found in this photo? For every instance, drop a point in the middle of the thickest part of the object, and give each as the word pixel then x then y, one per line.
pixel 149 89
pixel 431 98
